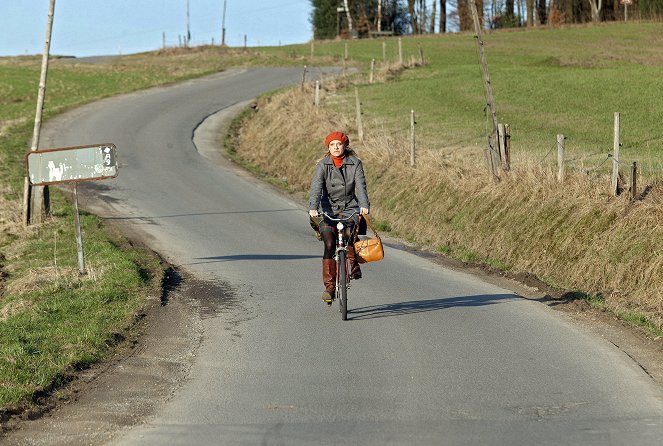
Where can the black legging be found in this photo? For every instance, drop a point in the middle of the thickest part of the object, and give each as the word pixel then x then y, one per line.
pixel 329 239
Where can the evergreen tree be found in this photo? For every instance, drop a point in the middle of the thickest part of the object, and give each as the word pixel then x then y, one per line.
pixel 324 19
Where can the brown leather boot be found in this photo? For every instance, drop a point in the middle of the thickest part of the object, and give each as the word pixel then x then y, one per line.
pixel 355 271
pixel 329 279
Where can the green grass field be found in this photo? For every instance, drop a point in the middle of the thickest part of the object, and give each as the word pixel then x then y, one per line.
pixel 546 82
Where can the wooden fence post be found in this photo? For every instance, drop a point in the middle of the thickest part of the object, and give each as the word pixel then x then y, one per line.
pixel 504 146
pixel 312 49
pixel 634 180
pixel 346 51
pixel 317 94
pixel 303 77
pixel 615 157
pixel 507 146
pixel 561 168
pixel 384 51
pixel 413 143
pixel 360 127
pixel 400 51
pixel 370 79
pixel 421 55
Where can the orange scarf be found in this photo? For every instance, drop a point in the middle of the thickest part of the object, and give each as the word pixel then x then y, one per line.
pixel 338 162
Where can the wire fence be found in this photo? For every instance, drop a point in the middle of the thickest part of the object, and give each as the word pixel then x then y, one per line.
pixel 597 163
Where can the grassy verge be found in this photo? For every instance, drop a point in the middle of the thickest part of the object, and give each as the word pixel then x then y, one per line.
pixel 53 321
pixel 571 235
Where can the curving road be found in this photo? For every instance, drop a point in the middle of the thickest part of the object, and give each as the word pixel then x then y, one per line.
pixel 429 356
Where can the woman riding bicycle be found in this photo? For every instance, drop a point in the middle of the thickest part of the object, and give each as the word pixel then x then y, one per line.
pixel 338 189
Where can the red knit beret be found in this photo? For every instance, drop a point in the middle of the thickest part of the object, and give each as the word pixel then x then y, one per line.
pixel 339 136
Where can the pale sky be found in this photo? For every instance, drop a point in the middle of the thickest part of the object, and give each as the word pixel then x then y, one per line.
pixel 106 27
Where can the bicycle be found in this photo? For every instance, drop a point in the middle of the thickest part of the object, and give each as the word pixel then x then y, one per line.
pixel 342 263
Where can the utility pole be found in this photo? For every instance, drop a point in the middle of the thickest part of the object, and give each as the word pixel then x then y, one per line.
pixel 35 198
pixel 188 29
pixel 223 25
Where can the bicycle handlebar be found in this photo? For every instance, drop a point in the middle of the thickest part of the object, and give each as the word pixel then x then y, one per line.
pixel 340 219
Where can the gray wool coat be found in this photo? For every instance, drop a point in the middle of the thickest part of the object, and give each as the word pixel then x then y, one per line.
pixel 335 190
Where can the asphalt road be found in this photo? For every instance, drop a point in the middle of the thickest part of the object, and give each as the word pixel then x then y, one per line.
pixel 428 355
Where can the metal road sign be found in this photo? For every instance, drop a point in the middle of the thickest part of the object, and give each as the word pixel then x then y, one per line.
pixel 71 164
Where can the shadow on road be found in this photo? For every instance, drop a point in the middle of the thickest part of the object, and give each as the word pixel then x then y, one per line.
pixel 241 257
pixel 420 306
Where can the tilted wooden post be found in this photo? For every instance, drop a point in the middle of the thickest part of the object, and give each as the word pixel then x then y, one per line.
pixel 489 90
pixel 317 94
pixel 634 180
pixel 615 157
pixel 561 168
pixel 360 127
pixel 413 142
pixel 35 198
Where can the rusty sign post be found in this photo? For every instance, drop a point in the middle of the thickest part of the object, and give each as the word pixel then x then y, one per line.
pixel 72 165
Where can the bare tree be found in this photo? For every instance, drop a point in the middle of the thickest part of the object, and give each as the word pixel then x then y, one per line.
pixel 349 16
pixel 509 4
pixel 443 16
pixel 379 15
pixel 432 17
pixel 530 13
pixel 541 11
pixel 465 15
pixel 596 6
pixel 413 16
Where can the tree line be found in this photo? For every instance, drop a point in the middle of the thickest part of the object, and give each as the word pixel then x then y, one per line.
pixel 362 18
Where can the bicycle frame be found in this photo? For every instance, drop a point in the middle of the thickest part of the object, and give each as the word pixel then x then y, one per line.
pixel 342 263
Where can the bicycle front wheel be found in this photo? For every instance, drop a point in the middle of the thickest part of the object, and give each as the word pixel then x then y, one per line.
pixel 343 284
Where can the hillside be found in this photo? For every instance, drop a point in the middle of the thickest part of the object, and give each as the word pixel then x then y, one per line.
pixel 572 235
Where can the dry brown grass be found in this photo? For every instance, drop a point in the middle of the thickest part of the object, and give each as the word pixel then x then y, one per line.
pixel 11 214
pixel 572 235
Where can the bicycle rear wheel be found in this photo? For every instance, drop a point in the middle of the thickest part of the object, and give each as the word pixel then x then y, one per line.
pixel 343 284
